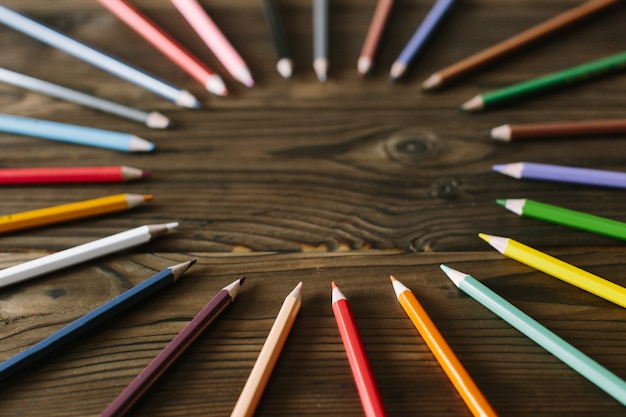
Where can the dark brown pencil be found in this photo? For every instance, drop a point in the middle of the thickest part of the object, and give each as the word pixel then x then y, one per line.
pixel 151 373
pixel 510 132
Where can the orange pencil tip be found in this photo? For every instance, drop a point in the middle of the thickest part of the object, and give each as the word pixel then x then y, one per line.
pixel 334 285
pixel 148 197
pixel 392 278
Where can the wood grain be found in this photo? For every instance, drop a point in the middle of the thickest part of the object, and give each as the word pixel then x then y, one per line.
pixel 294 180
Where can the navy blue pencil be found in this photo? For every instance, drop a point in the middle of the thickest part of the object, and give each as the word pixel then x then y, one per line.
pixel 420 37
pixel 92 319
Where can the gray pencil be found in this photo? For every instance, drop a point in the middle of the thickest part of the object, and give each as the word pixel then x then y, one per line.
pixel 152 119
pixel 320 39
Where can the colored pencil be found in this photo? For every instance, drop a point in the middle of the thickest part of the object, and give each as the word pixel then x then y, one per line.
pixel 213 37
pixel 374 35
pixel 95 57
pixel 516 43
pixel 578 220
pixel 419 39
pixel 83 253
pixel 166 358
pixel 559 173
pixel 78 135
pixel 578 361
pixel 558 269
pixel 510 132
pixel 359 364
pixel 71 175
pixel 262 369
pixel 284 63
pixel 92 319
pixel 320 39
pixel 163 42
pixel 562 78
pixel 462 381
pixel 71 211
pixel 151 119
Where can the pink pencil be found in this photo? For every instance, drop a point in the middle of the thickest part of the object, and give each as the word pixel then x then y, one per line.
pixel 208 31
pixel 168 46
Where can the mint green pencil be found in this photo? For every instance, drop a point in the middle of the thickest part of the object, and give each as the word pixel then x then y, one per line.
pixel 578 361
pixel 576 219
pixel 550 81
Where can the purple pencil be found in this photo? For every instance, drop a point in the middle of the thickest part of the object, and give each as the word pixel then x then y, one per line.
pixel 420 37
pixel 546 172
pixel 140 385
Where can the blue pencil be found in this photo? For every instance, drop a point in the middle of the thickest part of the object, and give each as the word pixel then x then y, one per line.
pixel 420 37
pixel 92 319
pixel 80 135
pixel 578 361
pixel 97 58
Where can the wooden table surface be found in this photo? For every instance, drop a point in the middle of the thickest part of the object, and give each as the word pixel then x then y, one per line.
pixel 294 180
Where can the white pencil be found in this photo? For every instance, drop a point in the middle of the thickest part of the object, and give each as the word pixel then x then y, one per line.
pixel 83 253
pixel 97 58
pixel 152 119
pixel 260 374
pixel 213 37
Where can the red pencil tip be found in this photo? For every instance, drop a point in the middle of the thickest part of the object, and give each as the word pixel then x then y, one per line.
pixel 146 174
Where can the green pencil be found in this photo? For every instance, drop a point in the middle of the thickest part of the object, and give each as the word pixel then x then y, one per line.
pixel 566 217
pixel 547 82
pixel 578 361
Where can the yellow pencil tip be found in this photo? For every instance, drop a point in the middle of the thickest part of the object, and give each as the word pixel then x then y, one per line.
pixel 484 237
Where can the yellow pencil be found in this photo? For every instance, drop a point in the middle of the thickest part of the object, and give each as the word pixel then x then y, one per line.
pixel 462 381
pixel 558 269
pixel 72 211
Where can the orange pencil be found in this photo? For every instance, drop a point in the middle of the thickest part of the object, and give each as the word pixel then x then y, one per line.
pixel 461 380
pixel 168 46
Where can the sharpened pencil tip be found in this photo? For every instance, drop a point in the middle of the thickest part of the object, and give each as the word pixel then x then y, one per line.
pixel 179 269
pixel 242 280
pixel 148 197
pixel 501 201
pixel 484 237
pixel 333 285
pixel 392 278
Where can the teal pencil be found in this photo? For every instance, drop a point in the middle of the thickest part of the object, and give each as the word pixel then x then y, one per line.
pixel 578 361
pixel 547 82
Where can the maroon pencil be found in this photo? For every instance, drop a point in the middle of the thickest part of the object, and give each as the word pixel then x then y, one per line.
pixel 151 373
pixel 559 129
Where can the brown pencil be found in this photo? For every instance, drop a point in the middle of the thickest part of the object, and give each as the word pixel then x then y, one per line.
pixel 510 132
pixel 151 373
pixel 515 43
pixel 374 33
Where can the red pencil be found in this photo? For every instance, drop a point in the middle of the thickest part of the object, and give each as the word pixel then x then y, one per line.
pixel 64 175
pixel 166 44
pixel 161 363
pixel 365 384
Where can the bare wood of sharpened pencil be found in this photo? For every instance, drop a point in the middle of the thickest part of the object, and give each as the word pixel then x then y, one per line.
pixel 515 43
pixel 262 369
pixel 374 34
pixel 559 129
pixel 152 119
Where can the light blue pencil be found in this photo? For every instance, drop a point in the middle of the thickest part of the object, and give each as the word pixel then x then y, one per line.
pixel 97 58
pixel 151 119
pixel 80 135
pixel 581 363
pixel 420 37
